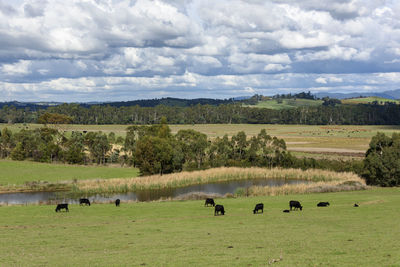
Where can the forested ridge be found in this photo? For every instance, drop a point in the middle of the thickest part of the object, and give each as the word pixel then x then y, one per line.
pixel 360 114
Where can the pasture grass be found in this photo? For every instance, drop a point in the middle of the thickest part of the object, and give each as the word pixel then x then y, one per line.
pixel 185 233
pixel 21 172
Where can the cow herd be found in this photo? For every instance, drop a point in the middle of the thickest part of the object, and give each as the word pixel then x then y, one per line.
pixel 259 208
pixel 82 201
pixel 218 209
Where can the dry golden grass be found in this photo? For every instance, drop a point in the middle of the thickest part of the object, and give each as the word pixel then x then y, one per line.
pixel 217 175
pixel 318 187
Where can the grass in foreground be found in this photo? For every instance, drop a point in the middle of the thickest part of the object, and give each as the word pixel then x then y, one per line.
pixel 185 233
pixel 20 172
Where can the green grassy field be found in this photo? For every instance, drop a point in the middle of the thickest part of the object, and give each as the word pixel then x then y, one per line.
pixel 19 172
pixel 286 103
pixel 366 100
pixel 185 233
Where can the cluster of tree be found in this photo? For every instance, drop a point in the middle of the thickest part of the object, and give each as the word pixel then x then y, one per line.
pixel 331 101
pixel 382 161
pixel 153 149
pixel 48 145
pixel 302 95
pixel 255 99
pixel 361 114
pixel 54 118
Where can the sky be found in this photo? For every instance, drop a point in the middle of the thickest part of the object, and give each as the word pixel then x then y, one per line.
pixel 94 50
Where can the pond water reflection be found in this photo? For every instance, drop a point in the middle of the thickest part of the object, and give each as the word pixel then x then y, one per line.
pixel 217 189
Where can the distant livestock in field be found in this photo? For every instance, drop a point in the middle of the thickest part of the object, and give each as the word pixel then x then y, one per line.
pixel 323 204
pixel 117 202
pixel 286 210
pixel 62 206
pixel 355 205
pixel 295 204
pixel 84 201
pixel 259 206
pixel 219 209
pixel 209 201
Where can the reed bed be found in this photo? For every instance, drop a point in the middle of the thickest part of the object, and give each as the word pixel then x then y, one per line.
pixel 318 187
pixel 222 174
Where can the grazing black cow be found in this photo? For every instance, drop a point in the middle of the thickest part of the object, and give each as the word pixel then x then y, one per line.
pixel 117 202
pixel 286 210
pixel 295 204
pixel 323 204
pixel 219 209
pixel 355 205
pixel 209 201
pixel 259 206
pixel 84 201
pixel 62 206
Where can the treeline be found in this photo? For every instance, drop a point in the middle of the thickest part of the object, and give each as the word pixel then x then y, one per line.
pixel 153 149
pixel 51 145
pixel 361 114
pixel 169 101
pixel 302 95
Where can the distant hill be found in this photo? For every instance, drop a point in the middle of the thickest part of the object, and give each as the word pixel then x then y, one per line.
pixel 169 101
pixel 31 105
pixel 368 100
pixel 393 94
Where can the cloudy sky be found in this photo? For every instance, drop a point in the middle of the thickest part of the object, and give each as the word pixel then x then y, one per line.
pixel 109 50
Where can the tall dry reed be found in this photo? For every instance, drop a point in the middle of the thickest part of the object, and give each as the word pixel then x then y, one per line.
pixel 318 187
pixel 208 176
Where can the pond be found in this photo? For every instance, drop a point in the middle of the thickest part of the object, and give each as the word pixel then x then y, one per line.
pixel 218 189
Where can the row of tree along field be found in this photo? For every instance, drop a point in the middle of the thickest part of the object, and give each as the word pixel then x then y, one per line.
pixel 155 150
pixel 360 114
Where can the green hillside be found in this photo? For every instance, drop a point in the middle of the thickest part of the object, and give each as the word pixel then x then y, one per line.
pixel 286 103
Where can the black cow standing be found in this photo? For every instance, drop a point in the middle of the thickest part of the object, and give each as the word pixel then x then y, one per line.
pixel 84 201
pixel 323 204
pixel 295 204
pixel 259 206
pixel 62 206
pixel 209 201
pixel 219 209
pixel 117 202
